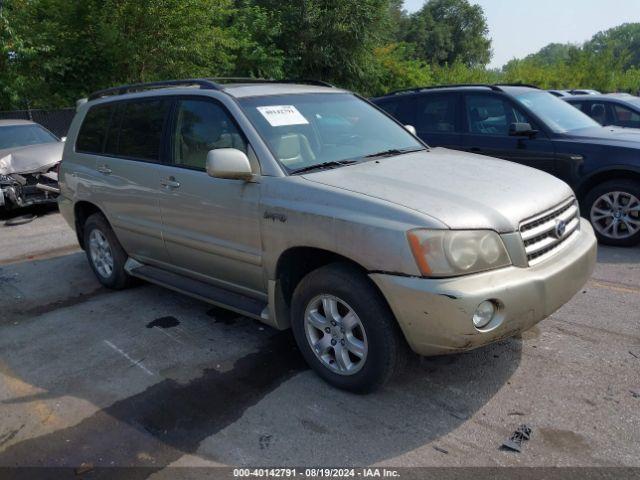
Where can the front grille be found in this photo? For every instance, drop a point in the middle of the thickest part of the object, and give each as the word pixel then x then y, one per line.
pixel 543 234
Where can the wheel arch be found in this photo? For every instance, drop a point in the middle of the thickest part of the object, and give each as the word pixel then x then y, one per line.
pixel 296 262
pixel 82 210
pixel 621 173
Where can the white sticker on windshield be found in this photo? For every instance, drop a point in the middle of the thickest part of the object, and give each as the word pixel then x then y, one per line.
pixel 281 115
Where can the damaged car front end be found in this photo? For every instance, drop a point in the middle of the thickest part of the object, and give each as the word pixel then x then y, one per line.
pixel 29 159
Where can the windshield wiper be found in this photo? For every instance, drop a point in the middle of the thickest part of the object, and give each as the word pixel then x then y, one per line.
pixel 393 151
pixel 324 165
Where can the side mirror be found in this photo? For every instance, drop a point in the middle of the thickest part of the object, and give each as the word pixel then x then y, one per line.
pixel 411 129
pixel 522 130
pixel 229 163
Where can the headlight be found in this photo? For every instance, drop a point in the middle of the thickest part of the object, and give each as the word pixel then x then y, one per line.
pixel 447 253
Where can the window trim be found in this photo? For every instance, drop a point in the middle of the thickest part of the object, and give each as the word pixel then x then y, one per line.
pixel 173 118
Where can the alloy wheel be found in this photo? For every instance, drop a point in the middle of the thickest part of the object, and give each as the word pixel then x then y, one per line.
pixel 101 254
pixel 616 215
pixel 336 334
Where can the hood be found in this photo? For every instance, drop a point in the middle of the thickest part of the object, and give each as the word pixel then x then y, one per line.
pixel 462 190
pixel 608 135
pixel 30 159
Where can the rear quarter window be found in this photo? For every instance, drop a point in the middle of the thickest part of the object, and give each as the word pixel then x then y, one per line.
pixel 94 130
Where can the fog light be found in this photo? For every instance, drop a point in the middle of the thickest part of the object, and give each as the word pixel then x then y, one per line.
pixel 484 314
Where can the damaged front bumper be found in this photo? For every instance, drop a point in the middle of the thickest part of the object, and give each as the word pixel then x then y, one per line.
pixel 435 315
pixel 23 190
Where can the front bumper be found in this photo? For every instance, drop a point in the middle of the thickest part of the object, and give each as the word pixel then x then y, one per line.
pixel 436 314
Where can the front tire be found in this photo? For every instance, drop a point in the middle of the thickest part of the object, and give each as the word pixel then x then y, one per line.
pixel 614 211
pixel 105 254
pixel 345 329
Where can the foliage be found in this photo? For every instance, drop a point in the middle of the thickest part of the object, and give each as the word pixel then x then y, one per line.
pixel 450 31
pixel 622 41
pixel 552 54
pixel 395 70
pixel 53 52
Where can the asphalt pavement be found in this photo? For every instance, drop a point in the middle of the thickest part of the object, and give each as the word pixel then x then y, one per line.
pixel 148 377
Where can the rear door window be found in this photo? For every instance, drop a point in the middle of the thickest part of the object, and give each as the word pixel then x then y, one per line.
pixel 93 132
pixel 141 128
pixel 436 113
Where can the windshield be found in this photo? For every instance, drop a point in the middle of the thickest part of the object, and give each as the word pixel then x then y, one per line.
pixel 22 135
pixel 557 114
pixel 305 130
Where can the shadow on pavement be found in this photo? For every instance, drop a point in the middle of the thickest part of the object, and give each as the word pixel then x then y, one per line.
pixel 263 391
pixel 9 217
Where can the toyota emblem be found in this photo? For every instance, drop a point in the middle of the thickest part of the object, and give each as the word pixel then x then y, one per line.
pixel 561 227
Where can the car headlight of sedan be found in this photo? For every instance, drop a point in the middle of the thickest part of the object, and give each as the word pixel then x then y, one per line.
pixel 447 253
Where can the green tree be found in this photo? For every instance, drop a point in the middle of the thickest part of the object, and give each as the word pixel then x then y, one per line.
pixel 450 31
pixel 623 41
pixel 394 69
pixel 552 54
pixel 256 30
pixel 71 48
pixel 331 40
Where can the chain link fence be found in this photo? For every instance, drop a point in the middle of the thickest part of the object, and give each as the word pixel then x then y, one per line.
pixel 57 121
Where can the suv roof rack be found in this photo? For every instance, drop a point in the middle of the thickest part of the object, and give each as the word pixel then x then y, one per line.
pixel 518 85
pixel 203 83
pixel 433 87
pixel 271 80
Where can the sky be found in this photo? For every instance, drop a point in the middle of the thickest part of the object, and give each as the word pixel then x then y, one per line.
pixel 521 27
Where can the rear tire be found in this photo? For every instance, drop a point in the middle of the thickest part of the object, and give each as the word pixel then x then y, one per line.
pixel 613 208
pixel 105 254
pixel 359 345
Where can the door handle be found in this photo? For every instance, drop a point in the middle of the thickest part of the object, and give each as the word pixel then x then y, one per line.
pixel 170 183
pixel 104 169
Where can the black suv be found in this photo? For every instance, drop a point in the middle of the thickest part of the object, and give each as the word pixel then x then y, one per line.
pixel 530 126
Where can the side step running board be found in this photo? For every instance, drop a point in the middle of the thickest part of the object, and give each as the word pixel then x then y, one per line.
pixel 237 302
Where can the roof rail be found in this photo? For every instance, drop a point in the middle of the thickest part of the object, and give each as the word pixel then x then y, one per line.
pixel 270 80
pixel 518 85
pixel 434 87
pixel 204 84
pixel 305 81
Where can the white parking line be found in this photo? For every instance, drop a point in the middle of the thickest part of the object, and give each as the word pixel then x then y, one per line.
pixel 131 360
